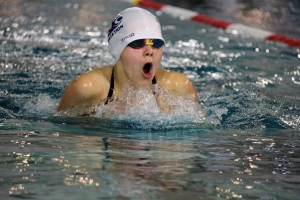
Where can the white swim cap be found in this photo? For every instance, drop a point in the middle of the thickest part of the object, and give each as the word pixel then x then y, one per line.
pixel 129 25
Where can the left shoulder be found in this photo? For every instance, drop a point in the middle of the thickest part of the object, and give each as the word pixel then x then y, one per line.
pixel 176 76
pixel 172 80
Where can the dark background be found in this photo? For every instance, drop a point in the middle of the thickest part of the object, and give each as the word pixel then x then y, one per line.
pixel 279 16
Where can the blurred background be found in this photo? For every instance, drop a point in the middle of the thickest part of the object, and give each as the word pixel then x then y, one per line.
pixel 279 16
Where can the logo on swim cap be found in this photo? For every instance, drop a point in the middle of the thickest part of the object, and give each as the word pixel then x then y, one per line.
pixel 114 25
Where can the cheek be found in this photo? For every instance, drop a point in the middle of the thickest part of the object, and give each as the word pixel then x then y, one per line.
pixel 130 56
pixel 130 59
pixel 130 52
pixel 158 56
pixel 131 63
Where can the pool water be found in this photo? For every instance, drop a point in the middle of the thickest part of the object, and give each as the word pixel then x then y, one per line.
pixel 248 147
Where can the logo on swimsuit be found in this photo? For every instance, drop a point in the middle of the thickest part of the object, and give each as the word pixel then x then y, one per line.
pixel 114 27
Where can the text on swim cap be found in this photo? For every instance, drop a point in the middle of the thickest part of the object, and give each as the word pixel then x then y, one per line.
pixel 126 37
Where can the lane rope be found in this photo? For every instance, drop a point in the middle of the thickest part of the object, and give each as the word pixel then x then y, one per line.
pixel 226 25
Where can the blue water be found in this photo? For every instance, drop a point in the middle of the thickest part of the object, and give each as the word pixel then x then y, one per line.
pixel 248 148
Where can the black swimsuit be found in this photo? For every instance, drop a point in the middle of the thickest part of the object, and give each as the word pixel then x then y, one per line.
pixel 112 86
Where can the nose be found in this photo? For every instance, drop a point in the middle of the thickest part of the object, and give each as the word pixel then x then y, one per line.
pixel 148 50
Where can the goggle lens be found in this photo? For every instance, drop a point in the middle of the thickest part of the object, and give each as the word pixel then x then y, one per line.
pixel 155 43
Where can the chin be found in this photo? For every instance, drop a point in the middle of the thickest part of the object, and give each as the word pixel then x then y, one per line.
pixel 145 83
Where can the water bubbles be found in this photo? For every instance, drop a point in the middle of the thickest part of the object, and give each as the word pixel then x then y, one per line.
pixel 76 6
pixel 42 105
pixel 162 108
pixel 147 108
pixel 69 5
pixel 223 39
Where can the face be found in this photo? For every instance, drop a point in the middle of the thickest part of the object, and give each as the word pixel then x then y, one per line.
pixel 140 65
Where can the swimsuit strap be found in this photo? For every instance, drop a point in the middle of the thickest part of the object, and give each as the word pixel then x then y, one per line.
pixel 111 89
pixel 112 85
pixel 154 80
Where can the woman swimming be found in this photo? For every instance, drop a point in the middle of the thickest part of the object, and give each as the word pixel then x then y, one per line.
pixel 136 42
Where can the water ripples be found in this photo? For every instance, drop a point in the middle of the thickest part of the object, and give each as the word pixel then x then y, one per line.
pixel 248 87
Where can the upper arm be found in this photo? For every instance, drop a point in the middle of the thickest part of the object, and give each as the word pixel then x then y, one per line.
pixel 72 96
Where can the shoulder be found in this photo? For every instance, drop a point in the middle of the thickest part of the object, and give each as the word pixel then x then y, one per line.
pixel 91 83
pixel 172 80
pixel 90 78
pixel 90 87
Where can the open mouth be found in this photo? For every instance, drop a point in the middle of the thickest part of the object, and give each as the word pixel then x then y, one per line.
pixel 147 68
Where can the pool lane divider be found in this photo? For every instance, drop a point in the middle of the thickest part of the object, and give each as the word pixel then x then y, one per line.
pixel 226 25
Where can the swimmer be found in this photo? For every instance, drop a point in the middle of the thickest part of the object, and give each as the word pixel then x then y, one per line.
pixel 136 42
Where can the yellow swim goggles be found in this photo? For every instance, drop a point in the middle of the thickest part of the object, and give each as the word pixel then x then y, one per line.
pixel 138 44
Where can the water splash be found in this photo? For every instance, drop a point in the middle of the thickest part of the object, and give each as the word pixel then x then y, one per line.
pixel 145 108
pixel 42 105
pixel 164 109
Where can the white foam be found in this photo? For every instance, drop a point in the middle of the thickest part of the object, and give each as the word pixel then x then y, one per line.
pixel 42 105
pixel 149 108
pixel 141 105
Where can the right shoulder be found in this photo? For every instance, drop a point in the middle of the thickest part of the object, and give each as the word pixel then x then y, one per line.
pixel 90 87
pixel 96 76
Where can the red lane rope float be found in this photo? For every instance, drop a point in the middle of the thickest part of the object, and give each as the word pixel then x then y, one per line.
pixel 197 17
pixel 281 38
pixel 149 4
pixel 211 21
